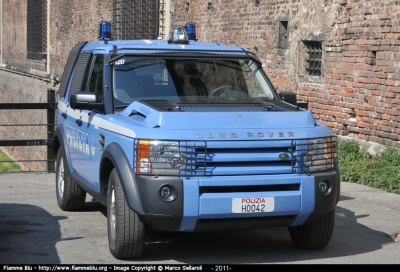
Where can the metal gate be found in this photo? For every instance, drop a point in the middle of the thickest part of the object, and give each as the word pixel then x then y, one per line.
pixel 25 139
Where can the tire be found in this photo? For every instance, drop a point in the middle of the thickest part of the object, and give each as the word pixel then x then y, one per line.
pixel 70 196
pixel 126 231
pixel 314 236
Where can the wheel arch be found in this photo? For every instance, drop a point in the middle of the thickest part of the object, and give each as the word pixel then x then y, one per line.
pixel 115 157
pixel 106 166
pixel 56 144
pixel 60 143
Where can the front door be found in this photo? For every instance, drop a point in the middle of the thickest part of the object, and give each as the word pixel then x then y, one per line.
pixel 83 133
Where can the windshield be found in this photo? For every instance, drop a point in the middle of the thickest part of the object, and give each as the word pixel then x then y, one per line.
pixel 188 81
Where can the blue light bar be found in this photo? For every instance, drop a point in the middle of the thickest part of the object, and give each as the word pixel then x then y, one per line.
pixel 105 31
pixel 191 31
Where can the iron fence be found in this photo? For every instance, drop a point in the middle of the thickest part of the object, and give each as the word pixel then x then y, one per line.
pixel 26 134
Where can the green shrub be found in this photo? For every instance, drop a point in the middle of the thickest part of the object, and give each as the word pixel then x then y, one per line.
pixel 380 171
pixel 8 166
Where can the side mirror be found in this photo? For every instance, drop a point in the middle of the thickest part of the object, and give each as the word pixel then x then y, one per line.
pixel 84 101
pixel 291 98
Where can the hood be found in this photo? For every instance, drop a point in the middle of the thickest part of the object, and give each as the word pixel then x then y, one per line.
pixel 167 115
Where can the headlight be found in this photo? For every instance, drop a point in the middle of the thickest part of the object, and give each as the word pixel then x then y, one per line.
pixel 159 157
pixel 320 155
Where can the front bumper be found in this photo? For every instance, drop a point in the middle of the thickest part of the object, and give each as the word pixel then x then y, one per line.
pixel 205 203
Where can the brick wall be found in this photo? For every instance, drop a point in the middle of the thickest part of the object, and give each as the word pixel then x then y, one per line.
pixel 357 94
pixel 362 78
pixel 359 90
pixel 71 22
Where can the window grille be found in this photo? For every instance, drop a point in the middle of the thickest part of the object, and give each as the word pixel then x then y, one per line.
pixel 136 19
pixel 314 58
pixel 36 29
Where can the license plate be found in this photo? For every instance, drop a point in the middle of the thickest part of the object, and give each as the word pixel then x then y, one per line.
pixel 253 204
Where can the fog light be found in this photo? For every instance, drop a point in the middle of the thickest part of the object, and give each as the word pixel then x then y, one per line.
pixel 167 192
pixel 324 187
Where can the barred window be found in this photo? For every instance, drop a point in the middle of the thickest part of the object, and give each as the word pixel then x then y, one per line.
pixel 314 58
pixel 36 29
pixel 137 19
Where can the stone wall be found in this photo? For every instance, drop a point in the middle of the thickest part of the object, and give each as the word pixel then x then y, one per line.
pixel 358 91
pixel 71 22
pixel 14 43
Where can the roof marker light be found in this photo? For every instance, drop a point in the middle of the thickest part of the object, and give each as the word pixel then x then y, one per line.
pixel 105 31
pixel 178 35
pixel 191 31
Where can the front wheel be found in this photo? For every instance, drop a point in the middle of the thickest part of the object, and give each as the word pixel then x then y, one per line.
pixel 70 196
pixel 314 236
pixel 126 231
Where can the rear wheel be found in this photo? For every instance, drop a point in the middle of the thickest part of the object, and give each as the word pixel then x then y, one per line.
pixel 314 236
pixel 70 196
pixel 126 231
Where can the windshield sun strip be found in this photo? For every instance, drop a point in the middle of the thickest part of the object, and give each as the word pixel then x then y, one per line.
pixel 173 56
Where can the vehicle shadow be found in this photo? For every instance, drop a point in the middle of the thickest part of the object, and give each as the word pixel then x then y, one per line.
pixel 92 205
pixel 28 234
pixel 262 246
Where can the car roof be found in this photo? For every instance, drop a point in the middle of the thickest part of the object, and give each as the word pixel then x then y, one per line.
pixel 106 46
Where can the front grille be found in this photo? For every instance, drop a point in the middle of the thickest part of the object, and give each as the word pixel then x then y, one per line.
pixel 245 158
pixel 249 189
pixel 243 223
pixel 235 158
pixel 247 219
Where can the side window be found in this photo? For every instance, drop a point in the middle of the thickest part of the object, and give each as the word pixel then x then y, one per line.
pixel 79 78
pixel 95 84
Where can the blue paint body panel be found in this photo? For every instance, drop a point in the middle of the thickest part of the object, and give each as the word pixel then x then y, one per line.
pixel 236 154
